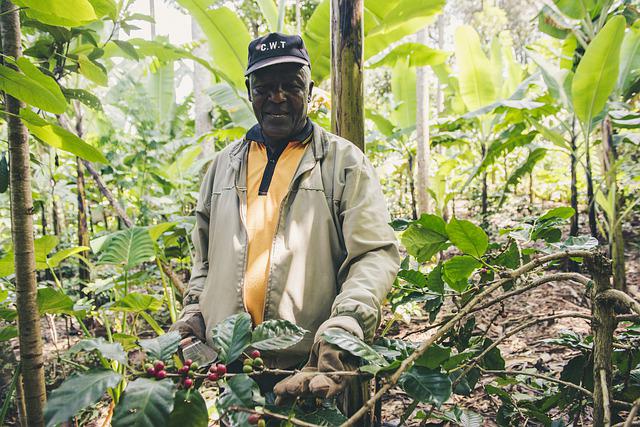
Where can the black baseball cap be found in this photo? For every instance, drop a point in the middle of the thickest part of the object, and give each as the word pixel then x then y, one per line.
pixel 276 48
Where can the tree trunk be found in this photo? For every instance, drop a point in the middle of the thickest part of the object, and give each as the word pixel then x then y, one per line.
pixel 299 17
pixel 593 225
pixel 602 328
pixel 202 101
pixel 29 334
pixel 83 231
pixel 347 82
pixel 484 197
pixel 616 238
pixel 574 186
pixel 412 187
pixel 422 132
pixel 152 14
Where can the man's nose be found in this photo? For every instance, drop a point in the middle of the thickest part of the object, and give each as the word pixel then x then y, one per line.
pixel 277 95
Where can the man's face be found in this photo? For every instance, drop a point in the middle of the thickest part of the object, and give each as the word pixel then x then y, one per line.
pixel 280 95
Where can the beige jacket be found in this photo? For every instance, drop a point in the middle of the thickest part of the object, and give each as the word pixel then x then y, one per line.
pixel 334 256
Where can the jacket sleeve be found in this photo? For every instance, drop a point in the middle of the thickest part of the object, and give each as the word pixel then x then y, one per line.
pixel 372 258
pixel 190 314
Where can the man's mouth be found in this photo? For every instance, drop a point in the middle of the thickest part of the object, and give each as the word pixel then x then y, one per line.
pixel 277 115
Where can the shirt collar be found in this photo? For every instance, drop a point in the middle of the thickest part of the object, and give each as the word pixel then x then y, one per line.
pixel 304 136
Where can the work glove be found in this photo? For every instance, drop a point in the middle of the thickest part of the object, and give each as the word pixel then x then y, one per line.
pixel 190 326
pixel 315 379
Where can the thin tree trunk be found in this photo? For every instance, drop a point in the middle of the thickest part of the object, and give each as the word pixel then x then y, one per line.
pixel 83 231
pixel 422 132
pixel 298 17
pixel 484 198
pixel 574 184
pixel 593 225
pixel 152 14
pixel 412 188
pixel 202 101
pixel 29 333
pixel 602 329
pixel 347 82
pixel 616 238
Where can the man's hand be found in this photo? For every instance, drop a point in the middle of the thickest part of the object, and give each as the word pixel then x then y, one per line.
pixel 315 378
pixel 190 326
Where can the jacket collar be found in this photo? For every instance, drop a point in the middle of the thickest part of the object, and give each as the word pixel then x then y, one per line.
pixel 319 143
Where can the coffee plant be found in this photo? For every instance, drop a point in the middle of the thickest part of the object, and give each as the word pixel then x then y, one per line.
pixel 149 385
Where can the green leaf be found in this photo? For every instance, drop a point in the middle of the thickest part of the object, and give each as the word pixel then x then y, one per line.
pixel 8 332
pixel 78 392
pixel 597 72
pixel 434 356
pixel 49 85
pixel 60 256
pixel 416 55
pixel 92 71
pixel 354 345
pixel 434 280
pixel 403 88
pixel 105 8
pixel 382 123
pixel 467 237
pixel 577 243
pixel 162 347
pixel 135 303
pixel 228 38
pixel 425 237
pixel 155 231
pixel 229 98
pixel 414 277
pixel 475 75
pixel 113 351
pixel 189 410
pixel 74 10
pixel 162 94
pixel 127 48
pixel 4 174
pixel 426 385
pixel 232 336
pixel 38 93
pixel 60 138
pixel 7 266
pixel 629 59
pixel 563 212
pixel 145 403
pixel 457 271
pixel 129 248
pixel 84 96
pixel 52 301
pixel 270 13
pixel 276 335
pixel 240 391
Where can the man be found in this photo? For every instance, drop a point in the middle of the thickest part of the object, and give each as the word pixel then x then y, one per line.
pixel 290 224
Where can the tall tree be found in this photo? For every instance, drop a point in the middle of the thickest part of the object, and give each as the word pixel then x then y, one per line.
pixel 347 65
pixel 422 131
pixel 29 334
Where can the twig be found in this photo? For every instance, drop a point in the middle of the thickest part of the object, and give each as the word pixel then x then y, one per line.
pixel 479 357
pixel 541 281
pixel 632 413
pixel 619 296
pixel 628 318
pixel 605 398
pixel 271 414
pixel 543 377
pixel 393 379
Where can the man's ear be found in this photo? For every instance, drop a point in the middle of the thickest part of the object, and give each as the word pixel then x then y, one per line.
pixel 311 86
pixel 248 85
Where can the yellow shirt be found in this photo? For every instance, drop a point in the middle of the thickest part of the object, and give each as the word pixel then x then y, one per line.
pixel 262 218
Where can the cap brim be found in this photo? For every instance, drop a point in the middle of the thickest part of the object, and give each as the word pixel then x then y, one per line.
pixel 275 60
